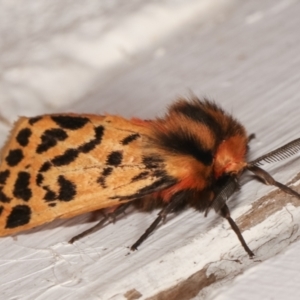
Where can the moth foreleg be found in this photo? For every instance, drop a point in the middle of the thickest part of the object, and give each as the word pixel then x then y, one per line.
pixel 268 179
pixel 225 213
pixel 175 202
pixel 111 217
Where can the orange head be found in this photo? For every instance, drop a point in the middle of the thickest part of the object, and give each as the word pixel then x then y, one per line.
pixel 230 156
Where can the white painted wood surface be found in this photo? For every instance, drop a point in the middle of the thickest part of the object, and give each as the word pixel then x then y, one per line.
pixel 134 59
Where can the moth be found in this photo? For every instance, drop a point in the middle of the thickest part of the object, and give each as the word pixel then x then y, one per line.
pixel 62 165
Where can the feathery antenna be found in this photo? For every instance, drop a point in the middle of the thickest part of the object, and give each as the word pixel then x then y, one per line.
pixel 278 154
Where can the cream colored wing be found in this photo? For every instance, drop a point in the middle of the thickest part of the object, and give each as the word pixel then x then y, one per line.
pixel 59 166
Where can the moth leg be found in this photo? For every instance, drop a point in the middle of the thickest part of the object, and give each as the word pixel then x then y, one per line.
pixel 251 137
pixel 225 213
pixel 269 180
pixel 111 217
pixel 175 202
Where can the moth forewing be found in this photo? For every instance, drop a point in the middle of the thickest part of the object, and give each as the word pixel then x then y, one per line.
pixel 59 166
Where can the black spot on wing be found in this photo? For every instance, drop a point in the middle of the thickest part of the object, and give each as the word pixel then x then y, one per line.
pixel 1 209
pixel 101 181
pixel 159 184
pixel 50 195
pixel 106 172
pixel 160 173
pixel 20 215
pixel 32 121
pixel 45 167
pixel 70 122
pixel 52 204
pixel 114 158
pixel 21 187
pixel 64 159
pixel 140 176
pixel 89 146
pixel 155 185
pixel 14 157
pixel 99 130
pixel 130 138
pixel 152 162
pixel 3 197
pixel 23 136
pixel 39 179
pixel 3 176
pixel 50 138
pixel 67 189
pixel 71 154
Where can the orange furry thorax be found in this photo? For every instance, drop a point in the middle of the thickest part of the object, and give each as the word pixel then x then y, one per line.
pixel 199 142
